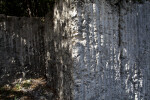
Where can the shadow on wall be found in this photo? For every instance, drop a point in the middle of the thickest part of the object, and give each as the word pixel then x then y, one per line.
pixel 22 52
pixel 59 61
pixel 33 48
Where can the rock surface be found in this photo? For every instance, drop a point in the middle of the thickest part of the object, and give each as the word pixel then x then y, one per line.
pixel 22 52
pixel 110 48
pixel 93 49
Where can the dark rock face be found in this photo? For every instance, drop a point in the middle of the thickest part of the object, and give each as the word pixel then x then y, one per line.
pixel 113 2
pixel 87 49
pixel 22 52
pixel 34 48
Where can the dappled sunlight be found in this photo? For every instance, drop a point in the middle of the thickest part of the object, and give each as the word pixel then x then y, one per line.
pixel 81 50
pixel 107 64
pixel 27 89
pixel 23 72
pixel 22 52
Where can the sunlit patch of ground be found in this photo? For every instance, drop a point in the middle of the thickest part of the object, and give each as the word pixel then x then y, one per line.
pixel 29 89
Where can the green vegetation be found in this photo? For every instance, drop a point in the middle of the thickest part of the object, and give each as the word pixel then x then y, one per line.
pixel 18 86
pixel 26 84
pixel 24 89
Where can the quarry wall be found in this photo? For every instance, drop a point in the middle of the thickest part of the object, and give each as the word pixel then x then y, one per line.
pixel 22 53
pixel 110 48
pixel 86 49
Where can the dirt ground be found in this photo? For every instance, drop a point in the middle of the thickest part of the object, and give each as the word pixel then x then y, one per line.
pixel 27 89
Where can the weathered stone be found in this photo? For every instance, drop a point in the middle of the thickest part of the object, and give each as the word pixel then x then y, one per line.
pixel 22 52
pixel 110 48
pixel 93 49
